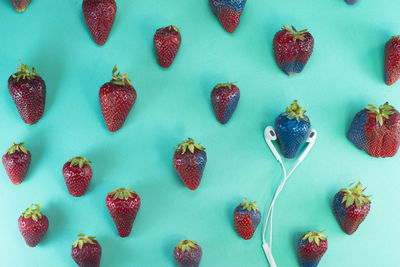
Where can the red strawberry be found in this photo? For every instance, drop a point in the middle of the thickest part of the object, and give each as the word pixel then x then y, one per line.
pixel 99 16
pixel 86 251
pixel 224 99
pixel 20 5
pixel 77 174
pixel 16 162
pixel 188 254
pixel 28 91
pixel 123 205
pixel 167 42
pixel 376 130
pixel 189 160
pixel 292 49
pixel 311 247
pixel 33 225
pixel 117 98
pixel 351 207
pixel 392 60
pixel 246 218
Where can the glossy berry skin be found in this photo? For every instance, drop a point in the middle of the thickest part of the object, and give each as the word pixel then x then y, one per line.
pixel 245 221
pixel 310 253
pixel 77 178
pixel 351 2
pixel 228 12
pixel 291 134
pixel 16 163
pixel 377 140
pixel 33 230
pixel 291 53
pixel 99 16
pixel 188 258
pixel 224 99
pixel 123 209
pixel 351 217
pixel 29 96
pixel 117 98
pixel 190 166
pixel 20 5
pixel 392 60
pixel 167 42
pixel 88 255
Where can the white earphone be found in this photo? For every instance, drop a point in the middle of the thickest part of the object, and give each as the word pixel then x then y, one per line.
pixel 270 135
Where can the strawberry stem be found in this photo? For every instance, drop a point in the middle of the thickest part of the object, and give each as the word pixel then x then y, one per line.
pixel 294 111
pixel 83 239
pixel 24 72
pixel 119 78
pixel 250 206
pixel 190 145
pixel 17 147
pixel 33 212
pixel 122 193
pixel 186 245
pixel 297 35
pixel 80 161
pixel 383 111
pixel 229 85
pixel 315 237
pixel 355 195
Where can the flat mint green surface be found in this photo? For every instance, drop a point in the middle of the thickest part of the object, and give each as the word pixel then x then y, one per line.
pixel 344 74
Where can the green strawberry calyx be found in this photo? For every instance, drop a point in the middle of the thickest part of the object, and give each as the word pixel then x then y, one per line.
pixel 83 239
pixel 122 193
pixel 119 78
pixel 189 145
pixel 17 147
pixel 315 237
pixel 396 37
pixel 79 161
pixel 355 195
pixel 249 206
pixel 24 72
pixel 172 27
pixel 293 32
pixel 383 111
pixel 294 111
pixel 228 85
pixel 33 212
pixel 186 245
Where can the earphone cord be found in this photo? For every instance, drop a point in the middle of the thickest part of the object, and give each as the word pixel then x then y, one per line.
pixel 277 192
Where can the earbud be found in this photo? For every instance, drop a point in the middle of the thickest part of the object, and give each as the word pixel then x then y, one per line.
pixel 311 141
pixel 270 135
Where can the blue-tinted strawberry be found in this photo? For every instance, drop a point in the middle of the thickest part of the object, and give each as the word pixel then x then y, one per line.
pixel 292 49
pixel 188 254
pixel 246 218
pixel 228 12
pixel 351 207
pixel 351 2
pixel 311 247
pixel 292 130
pixel 376 130
pixel 190 159
pixel 224 99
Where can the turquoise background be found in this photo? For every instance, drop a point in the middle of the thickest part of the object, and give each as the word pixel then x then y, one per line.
pixel 344 74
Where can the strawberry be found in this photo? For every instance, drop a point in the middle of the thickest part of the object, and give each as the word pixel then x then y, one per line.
pixel 189 160
pixel 16 162
pixel 33 225
pixel 246 218
pixel 292 130
pixel 351 207
pixel 311 247
pixel 123 205
pixel 117 98
pixel 86 251
pixel 392 60
pixel 77 174
pixel 376 130
pixel 188 254
pixel 20 5
pixel 224 99
pixel 167 42
pixel 28 92
pixel 228 12
pixel 292 49
pixel 351 2
pixel 99 16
